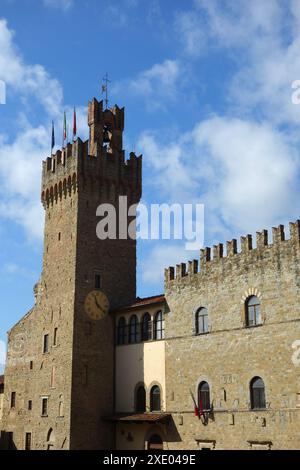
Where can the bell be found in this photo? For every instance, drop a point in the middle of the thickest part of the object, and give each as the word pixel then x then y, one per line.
pixel 106 138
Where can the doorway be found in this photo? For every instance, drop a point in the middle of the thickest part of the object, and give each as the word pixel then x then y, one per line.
pixel 155 443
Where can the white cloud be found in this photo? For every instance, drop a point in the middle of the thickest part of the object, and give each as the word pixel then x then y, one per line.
pixel 156 85
pixel 244 172
pixel 160 257
pixel 21 158
pixel 263 40
pixel 11 269
pixel 20 176
pixel 28 80
pixel 63 4
pixel 191 33
pixel 2 356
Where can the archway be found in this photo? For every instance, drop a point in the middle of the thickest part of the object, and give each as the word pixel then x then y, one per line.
pixel 155 442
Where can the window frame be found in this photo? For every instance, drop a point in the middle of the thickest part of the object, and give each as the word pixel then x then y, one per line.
pixel 13 400
pixel 121 331
pixel 257 318
pixel 146 327
pixel 44 410
pixel 28 447
pixel 46 343
pixel 159 326
pixel 204 396
pixel 257 394
pixel 97 280
pixel 204 327
pixel 133 334
pixel 155 396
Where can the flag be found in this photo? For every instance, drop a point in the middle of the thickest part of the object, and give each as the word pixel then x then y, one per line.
pixel 53 137
pixel 74 124
pixel 65 127
pixel 196 409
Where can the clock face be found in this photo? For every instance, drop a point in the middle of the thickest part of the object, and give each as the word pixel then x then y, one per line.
pixel 96 305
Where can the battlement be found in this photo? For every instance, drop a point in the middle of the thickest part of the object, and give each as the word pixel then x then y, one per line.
pixel 211 259
pixel 97 161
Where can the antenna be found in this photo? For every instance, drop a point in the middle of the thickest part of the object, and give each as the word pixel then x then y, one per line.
pixel 106 81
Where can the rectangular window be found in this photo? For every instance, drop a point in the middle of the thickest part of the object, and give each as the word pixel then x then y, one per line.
pixel 28 441
pixel 13 400
pixel 55 337
pixel 97 281
pixel 31 365
pixel 44 406
pixel 30 405
pixel 46 344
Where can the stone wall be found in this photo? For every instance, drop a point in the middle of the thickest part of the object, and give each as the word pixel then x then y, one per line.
pixel 230 354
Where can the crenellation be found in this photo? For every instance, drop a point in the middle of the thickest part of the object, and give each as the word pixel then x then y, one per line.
pixel 232 253
pixel 169 274
pixel 99 161
pixel 278 234
pixel 295 232
pixel 246 243
pixel 261 239
pixel 205 257
pixel 193 267
pixel 218 251
pixel 231 247
pixel 180 270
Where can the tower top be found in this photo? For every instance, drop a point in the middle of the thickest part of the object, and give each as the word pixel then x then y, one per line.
pixel 100 159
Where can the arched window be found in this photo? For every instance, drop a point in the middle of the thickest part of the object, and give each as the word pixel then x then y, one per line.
pixel 133 329
pixel 257 393
pixel 203 396
pixel 159 326
pixel 121 331
pixel 146 327
pixel 253 316
pixel 155 404
pixel 140 399
pixel 201 321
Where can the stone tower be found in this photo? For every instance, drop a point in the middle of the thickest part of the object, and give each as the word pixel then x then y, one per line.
pixel 76 372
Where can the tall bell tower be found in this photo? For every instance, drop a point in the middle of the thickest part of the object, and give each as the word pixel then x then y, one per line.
pixel 76 180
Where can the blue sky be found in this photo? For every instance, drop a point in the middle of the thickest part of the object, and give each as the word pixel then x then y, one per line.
pixel 207 89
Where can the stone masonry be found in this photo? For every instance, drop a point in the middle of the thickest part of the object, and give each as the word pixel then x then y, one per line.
pixel 230 354
pixel 76 373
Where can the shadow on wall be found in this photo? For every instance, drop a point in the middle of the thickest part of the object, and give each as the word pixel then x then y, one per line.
pixel 7 441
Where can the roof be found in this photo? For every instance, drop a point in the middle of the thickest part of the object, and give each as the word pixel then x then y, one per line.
pixel 139 418
pixel 155 299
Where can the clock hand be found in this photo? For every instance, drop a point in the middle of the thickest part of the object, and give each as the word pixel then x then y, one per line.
pixel 97 304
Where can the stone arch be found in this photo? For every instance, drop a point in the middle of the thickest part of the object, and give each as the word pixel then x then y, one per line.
pixel 155 430
pixel 249 292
